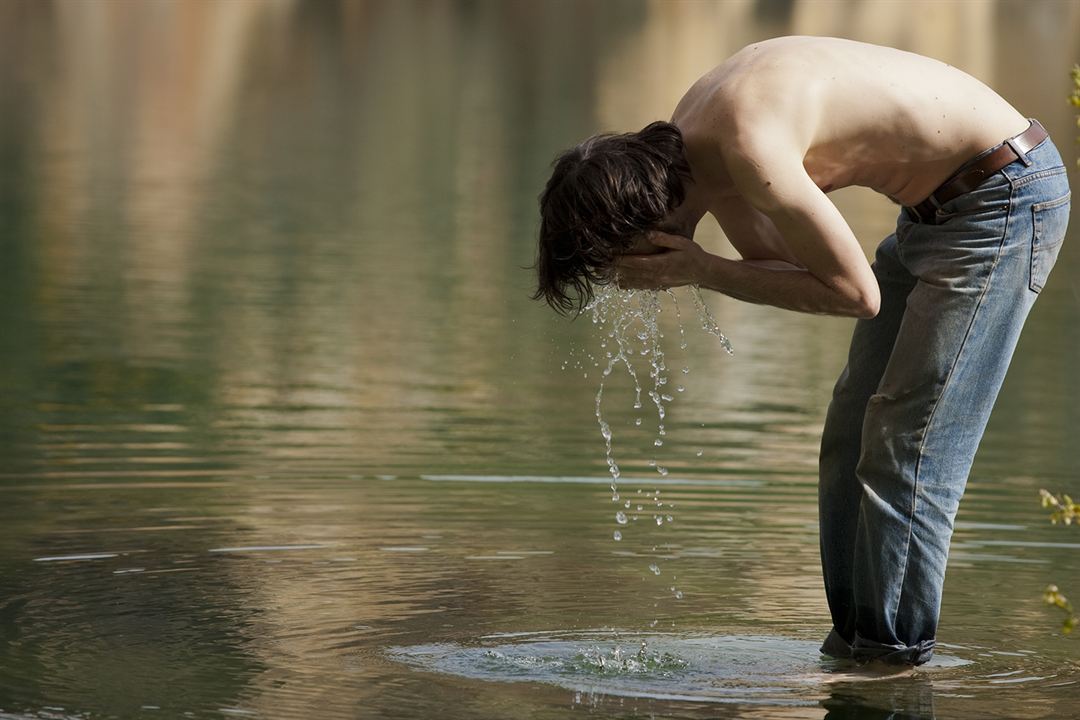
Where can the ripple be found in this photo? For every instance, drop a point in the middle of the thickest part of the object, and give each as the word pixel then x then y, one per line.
pixel 574 480
pixel 266 548
pixel 751 669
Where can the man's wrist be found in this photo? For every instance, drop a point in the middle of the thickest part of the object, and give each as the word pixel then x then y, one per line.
pixel 705 272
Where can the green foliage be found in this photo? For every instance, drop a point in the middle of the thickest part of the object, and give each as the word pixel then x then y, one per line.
pixel 1074 99
pixel 1065 512
pixel 1052 596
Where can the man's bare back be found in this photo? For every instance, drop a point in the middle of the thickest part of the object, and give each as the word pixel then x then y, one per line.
pixel 860 114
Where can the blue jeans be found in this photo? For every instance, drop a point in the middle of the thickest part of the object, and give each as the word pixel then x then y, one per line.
pixel 909 410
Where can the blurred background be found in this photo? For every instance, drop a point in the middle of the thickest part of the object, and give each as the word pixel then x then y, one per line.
pixel 264 284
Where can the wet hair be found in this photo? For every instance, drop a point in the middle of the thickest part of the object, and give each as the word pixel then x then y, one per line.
pixel 601 194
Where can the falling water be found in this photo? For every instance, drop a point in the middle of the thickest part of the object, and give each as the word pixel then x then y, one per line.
pixel 630 331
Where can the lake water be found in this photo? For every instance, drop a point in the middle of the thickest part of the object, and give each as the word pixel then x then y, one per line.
pixel 282 435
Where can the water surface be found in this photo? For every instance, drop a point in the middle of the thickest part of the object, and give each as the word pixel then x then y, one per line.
pixel 282 433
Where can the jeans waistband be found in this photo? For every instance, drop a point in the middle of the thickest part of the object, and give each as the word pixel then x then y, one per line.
pixel 975 171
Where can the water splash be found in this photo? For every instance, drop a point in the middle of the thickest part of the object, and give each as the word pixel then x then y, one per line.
pixel 611 661
pixel 629 322
pixel 708 322
pixel 596 660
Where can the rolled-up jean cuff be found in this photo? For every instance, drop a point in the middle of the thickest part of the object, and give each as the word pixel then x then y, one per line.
pixel 836 646
pixel 863 650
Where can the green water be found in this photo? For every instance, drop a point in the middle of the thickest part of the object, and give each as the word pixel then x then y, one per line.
pixel 282 435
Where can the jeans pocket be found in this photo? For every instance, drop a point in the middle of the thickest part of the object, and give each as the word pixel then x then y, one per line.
pixel 941 216
pixel 1050 220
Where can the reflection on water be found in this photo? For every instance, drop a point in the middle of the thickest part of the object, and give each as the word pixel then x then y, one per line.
pixel 274 400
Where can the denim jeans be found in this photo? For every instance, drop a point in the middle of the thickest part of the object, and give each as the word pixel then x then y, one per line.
pixel 909 410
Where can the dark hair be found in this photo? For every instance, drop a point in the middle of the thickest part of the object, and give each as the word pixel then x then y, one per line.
pixel 601 194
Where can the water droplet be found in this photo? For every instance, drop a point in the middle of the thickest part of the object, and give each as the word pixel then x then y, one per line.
pixel 680 388
pixel 662 470
pixel 678 595
pixel 658 442
pixel 670 519
pixel 700 453
pixel 655 570
pixel 617 536
pixel 638 421
pixel 659 520
pixel 620 517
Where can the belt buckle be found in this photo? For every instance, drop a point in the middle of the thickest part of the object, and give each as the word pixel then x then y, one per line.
pixel 930 206
pixel 1020 154
pixel 925 212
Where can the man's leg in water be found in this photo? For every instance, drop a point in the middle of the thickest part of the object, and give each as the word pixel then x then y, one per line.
pixel 979 271
pixel 839 491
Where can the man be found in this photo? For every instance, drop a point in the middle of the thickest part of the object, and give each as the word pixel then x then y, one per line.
pixel 758 142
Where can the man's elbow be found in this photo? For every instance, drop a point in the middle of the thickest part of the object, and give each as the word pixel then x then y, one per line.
pixel 858 302
pixel 867 304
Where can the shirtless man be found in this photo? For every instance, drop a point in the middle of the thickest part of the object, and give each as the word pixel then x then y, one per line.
pixel 758 142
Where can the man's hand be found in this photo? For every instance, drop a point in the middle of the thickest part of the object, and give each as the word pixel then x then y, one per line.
pixel 681 262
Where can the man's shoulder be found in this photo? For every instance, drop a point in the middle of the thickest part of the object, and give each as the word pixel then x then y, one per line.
pixel 745 134
pixel 751 102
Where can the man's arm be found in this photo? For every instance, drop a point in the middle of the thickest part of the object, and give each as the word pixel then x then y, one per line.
pixel 829 273
pixel 767 282
pixel 750 232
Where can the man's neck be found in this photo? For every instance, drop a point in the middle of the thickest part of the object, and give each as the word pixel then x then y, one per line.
pixel 684 219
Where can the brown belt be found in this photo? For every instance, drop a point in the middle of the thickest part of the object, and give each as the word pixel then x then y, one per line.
pixel 972 173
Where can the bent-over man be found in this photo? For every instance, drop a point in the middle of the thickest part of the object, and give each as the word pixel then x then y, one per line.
pixel 758 143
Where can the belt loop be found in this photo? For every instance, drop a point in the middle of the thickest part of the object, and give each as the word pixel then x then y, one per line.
pixel 1011 142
